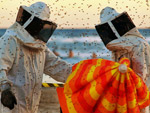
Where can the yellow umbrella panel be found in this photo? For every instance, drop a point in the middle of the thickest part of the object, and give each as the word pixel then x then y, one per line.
pixel 103 86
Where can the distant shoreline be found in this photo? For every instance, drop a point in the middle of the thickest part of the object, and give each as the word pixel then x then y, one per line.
pixel 79 28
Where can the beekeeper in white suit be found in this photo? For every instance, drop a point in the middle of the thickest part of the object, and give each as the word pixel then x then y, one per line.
pixel 120 35
pixel 24 58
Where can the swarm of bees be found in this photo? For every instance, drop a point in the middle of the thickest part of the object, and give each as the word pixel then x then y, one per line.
pixel 71 16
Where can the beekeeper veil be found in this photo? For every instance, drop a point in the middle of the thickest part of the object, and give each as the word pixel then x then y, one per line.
pixel 35 20
pixel 115 25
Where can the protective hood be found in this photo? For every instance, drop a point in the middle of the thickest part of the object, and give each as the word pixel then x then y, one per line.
pixel 39 9
pixel 116 30
pixel 18 32
pixel 35 20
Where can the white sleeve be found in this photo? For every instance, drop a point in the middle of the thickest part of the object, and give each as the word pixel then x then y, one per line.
pixel 141 60
pixel 56 67
pixel 7 56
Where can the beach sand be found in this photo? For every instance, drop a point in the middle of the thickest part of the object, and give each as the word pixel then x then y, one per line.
pixel 49 101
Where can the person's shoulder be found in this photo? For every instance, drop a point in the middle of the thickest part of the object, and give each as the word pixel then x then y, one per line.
pixel 47 50
pixel 6 38
pixel 142 42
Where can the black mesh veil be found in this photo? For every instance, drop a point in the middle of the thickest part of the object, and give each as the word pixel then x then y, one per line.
pixel 39 29
pixel 122 24
pixel 105 33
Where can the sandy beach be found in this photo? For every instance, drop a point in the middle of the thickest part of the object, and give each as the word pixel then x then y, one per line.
pixel 49 101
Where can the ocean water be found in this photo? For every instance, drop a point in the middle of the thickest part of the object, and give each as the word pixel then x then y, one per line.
pixel 82 42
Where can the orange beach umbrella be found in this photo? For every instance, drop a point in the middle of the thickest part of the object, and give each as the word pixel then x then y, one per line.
pixel 103 86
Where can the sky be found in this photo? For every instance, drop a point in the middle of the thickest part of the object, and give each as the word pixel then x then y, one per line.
pixel 82 14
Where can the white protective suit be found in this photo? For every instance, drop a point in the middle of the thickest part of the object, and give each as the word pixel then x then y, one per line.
pixel 131 45
pixel 23 60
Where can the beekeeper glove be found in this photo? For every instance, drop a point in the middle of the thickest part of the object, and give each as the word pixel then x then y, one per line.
pixel 7 97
